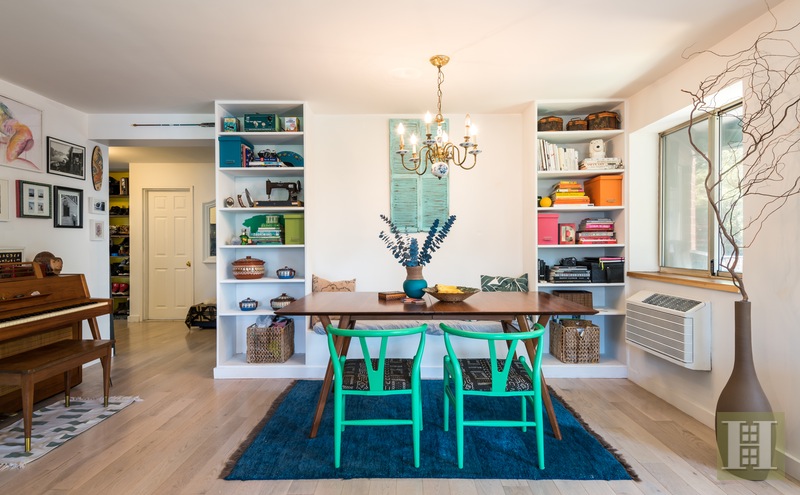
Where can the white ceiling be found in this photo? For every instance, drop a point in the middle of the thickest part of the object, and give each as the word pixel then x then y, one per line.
pixel 351 56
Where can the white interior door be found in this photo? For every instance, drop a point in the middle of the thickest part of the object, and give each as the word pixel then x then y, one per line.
pixel 170 275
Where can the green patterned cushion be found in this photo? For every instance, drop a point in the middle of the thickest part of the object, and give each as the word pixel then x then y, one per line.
pixel 491 283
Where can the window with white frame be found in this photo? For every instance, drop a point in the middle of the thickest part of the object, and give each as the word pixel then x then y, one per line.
pixel 689 236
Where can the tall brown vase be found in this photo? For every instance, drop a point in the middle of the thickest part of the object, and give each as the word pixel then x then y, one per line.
pixel 742 393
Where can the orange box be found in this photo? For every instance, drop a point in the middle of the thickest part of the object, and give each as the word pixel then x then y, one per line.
pixel 548 228
pixel 604 190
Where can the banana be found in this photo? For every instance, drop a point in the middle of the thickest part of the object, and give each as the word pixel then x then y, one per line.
pixel 447 289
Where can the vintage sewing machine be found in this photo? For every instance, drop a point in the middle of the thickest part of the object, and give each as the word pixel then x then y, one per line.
pixel 293 188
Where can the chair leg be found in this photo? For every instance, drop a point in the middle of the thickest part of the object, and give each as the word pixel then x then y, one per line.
pixel 523 401
pixel 459 406
pixel 537 414
pixel 338 402
pixel 446 400
pixel 416 420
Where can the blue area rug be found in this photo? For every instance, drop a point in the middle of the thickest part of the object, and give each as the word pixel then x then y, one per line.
pixel 279 448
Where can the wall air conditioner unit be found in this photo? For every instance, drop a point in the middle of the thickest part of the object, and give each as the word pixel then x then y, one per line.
pixel 673 328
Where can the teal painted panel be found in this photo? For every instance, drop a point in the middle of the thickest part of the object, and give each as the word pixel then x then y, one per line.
pixel 416 201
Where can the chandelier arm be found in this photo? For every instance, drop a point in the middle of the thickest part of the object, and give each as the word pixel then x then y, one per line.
pixel 403 162
pixel 474 162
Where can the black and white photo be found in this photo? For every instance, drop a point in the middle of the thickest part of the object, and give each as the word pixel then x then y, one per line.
pixel 68 206
pixel 65 158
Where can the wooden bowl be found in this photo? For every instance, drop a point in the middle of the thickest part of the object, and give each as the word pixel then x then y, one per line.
pixel 449 296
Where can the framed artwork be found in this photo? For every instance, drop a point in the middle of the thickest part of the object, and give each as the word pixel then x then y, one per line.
pixel 33 200
pixel 97 230
pixel 66 159
pixel 5 201
pixel 97 168
pixel 97 205
pixel 68 207
pixel 22 144
pixel 12 255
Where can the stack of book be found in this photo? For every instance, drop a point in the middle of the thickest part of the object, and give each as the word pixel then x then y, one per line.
pixel 269 232
pixel 601 163
pixel 596 231
pixel 569 193
pixel 561 274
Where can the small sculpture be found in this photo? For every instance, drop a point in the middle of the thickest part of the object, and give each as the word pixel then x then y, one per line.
pixel 597 149
pixel 51 263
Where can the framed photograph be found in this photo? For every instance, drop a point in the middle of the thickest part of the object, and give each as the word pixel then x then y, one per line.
pixel 12 255
pixel 33 200
pixel 97 206
pixel 66 159
pixel 22 148
pixel 68 207
pixel 97 230
pixel 5 201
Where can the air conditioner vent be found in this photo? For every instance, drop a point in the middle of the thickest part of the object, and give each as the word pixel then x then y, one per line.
pixel 671 302
pixel 673 328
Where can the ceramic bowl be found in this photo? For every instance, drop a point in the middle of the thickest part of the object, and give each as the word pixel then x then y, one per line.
pixel 449 296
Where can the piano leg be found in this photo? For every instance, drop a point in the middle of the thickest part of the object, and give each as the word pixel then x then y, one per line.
pixel 106 362
pixel 67 387
pixel 26 384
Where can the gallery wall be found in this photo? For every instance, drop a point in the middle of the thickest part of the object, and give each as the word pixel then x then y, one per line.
pixel 73 245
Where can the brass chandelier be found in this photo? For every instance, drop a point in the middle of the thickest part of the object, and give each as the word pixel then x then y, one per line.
pixel 437 152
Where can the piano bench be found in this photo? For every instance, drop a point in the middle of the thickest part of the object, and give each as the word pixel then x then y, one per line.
pixel 30 367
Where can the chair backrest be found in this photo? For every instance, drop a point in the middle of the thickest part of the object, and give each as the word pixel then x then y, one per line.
pixel 499 376
pixel 375 373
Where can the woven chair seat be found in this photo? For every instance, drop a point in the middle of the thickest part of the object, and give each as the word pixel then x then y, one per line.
pixel 477 375
pixel 397 374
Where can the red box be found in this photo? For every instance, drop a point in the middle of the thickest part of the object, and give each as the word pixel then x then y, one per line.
pixel 604 190
pixel 548 228
pixel 566 233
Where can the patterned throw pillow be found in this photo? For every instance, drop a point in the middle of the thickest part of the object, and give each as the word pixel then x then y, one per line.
pixel 490 283
pixel 319 284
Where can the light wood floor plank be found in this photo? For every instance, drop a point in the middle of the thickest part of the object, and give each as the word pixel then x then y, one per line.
pixel 179 438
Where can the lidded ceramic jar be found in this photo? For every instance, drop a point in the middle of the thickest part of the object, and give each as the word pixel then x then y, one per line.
pixel 248 304
pixel 281 301
pixel 248 268
pixel 285 272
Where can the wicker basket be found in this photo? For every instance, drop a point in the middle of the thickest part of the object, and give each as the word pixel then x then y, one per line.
pixel 273 344
pixel 579 296
pixel 575 341
pixel 577 124
pixel 603 121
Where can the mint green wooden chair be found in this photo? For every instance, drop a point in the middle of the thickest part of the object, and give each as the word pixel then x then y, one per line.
pixel 375 377
pixel 494 377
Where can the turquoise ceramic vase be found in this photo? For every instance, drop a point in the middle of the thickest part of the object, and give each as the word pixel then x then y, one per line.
pixel 414 282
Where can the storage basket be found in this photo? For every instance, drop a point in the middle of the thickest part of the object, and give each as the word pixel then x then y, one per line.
pixel 577 124
pixel 575 341
pixel 579 296
pixel 603 121
pixel 551 123
pixel 273 344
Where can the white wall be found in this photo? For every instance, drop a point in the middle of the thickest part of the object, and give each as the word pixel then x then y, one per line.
pixel 348 188
pixel 772 271
pixel 200 178
pixel 80 255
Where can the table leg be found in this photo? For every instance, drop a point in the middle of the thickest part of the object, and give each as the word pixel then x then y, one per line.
pixel 342 344
pixel 546 400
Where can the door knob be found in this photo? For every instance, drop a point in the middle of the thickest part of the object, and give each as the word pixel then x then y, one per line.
pixel 188 263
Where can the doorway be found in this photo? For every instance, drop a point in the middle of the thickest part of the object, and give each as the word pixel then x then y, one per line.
pixel 169 253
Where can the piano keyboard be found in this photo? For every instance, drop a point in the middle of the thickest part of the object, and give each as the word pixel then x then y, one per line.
pixel 7 322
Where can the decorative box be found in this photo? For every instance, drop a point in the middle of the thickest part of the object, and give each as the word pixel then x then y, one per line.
pixel 547 228
pixel 290 124
pixel 551 123
pixel 260 122
pixel 575 341
pixel 231 151
pixel 230 124
pixel 604 190
pixel 293 228
pixel 603 121
pixel 271 344
pixel 577 124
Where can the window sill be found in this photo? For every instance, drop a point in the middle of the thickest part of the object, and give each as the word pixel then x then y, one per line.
pixel 672 278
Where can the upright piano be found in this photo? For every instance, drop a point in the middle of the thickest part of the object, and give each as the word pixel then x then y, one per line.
pixel 36 310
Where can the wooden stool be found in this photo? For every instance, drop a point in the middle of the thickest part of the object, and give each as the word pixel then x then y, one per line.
pixel 27 368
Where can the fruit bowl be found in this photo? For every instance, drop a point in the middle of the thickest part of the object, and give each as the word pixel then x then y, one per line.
pixel 451 296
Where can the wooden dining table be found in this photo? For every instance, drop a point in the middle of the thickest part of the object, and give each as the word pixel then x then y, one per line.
pixel 504 307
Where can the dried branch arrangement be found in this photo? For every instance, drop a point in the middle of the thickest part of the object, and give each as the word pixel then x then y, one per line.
pixel 765 170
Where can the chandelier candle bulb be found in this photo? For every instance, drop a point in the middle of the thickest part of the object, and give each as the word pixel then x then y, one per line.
pixel 467 123
pixel 401 130
pixel 428 120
